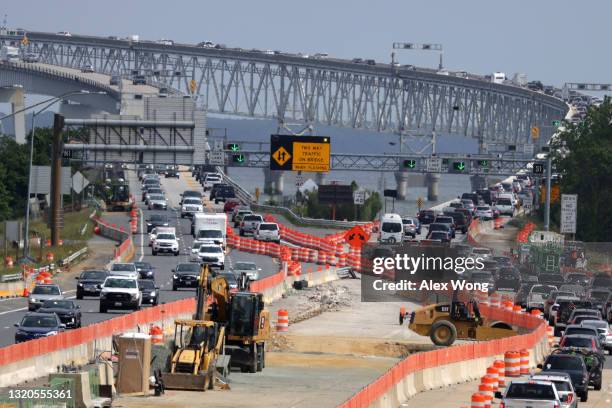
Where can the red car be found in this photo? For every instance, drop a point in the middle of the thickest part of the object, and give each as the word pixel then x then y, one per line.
pixel 230 204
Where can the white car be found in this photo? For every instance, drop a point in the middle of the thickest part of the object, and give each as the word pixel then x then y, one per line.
pixel 210 179
pixel 157 202
pixel 211 255
pixel 124 269
pixel 191 206
pixel 250 269
pixel 484 212
pixel 120 292
pixel 530 393
pixel 483 253
pixel 159 230
pixel 563 384
pixel 195 249
pixel 165 242
pixel 505 206
pixel 605 336
pixel 267 231
pixel 89 69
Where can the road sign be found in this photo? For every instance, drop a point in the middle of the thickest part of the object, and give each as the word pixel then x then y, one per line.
pixel 193 86
pixel 569 208
pixel 300 153
pixel 79 182
pixel 281 156
pixel 420 203
pixel 66 154
pixel 299 180
pixel 216 158
pixel 359 197
pixel 433 165
pixel 535 132
pixel 335 194
pixel 538 168
pixel 356 236
pixel 25 40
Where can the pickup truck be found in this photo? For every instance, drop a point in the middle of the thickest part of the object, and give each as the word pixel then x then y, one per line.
pixel 249 224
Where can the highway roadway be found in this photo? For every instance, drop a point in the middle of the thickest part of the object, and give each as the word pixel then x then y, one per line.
pixel 12 310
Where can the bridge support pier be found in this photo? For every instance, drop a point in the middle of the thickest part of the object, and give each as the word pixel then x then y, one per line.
pixel 273 182
pixel 478 182
pixel 432 181
pixel 401 179
pixel 15 96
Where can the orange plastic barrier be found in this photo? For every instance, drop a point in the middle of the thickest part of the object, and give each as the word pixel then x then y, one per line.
pixel 512 360
pixel 282 320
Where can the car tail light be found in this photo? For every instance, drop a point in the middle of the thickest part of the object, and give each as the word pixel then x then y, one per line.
pixel 502 405
pixel 570 398
pixel 557 405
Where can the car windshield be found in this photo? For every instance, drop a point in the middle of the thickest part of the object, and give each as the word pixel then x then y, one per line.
pixel 142 265
pixel 196 245
pixel 39 321
pixel 210 234
pixel 188 267
pixel 253 218
pixel 563 363
pixel 577 342
pixel 580 330
pixel 46 290
pixel 598 324
pixel 211 249
pixel 271 227
pixel 123 267
pixel 562 386
pixel 229 277
pixel 438 235
pixel 504 201
pixel 192 194
pixel 192 201
pixel 154 191
pixel 391 227
pixel 408 221
pixel 61 304
pixel 146 284
pixel 444 220
pixel 531 391
pixel 599 295
pixel 481 276
pixel 482 209
pixel 93 275
pixel 481 251
pixel 542 289
pixel 165 236
pixel 157 197
pixel 120 283
pixel 249 266
pixel 159 218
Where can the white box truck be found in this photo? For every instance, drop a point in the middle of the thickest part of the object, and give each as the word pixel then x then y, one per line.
pixel 9 54
pixel 210 228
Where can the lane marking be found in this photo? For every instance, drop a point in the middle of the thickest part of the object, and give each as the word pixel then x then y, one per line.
pixel 141 235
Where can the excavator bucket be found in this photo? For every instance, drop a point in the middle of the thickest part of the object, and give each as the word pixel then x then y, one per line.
pixel 185 381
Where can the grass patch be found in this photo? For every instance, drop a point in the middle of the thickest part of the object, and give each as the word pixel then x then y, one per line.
pixel 70 234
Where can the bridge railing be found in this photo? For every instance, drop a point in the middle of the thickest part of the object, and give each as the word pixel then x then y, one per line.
pixel 54 73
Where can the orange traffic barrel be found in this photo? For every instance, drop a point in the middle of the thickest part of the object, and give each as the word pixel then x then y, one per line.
pixel 501 373
pixel 512 360
pixel 524 361
pixel 49 256
pixel 487 391
pixel 157 335
pixel 478 401
pixel 493 374
pixel 282 321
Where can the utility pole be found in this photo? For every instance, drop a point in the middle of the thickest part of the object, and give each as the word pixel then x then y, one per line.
pixel 548 185
pixel 56 178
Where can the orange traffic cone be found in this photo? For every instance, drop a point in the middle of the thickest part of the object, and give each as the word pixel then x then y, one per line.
pixel 26 292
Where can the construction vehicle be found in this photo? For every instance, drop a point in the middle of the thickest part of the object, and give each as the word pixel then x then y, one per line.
pixel 234 323
pixel 117 196
pixel 446 322
pixel 247 324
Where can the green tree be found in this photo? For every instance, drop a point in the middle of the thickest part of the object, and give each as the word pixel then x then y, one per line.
pixel 583 158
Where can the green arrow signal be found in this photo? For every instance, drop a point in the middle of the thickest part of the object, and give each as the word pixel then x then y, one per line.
pixel 459 165
pixel 239 158
pixel 234 147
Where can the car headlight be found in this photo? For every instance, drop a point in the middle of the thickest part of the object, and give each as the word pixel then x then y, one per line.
pixel 149 273
pixel 21 332
pixel 152 293
pixel 102 295
pixel 134 296
pixel 51 333
pixel 174 277
pixel 32 300
pixel 80 284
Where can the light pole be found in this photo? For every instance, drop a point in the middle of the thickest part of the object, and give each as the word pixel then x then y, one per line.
pixel 50 102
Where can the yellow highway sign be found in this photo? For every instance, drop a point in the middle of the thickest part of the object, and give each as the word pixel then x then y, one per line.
pixel 300 153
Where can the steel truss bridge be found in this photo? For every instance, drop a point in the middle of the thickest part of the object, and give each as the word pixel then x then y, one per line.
pixel 484 165
pixel 332 92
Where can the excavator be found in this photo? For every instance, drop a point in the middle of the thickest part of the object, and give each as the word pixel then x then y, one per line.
pixel 234 322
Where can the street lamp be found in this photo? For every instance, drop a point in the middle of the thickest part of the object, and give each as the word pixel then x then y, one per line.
pixel 49 102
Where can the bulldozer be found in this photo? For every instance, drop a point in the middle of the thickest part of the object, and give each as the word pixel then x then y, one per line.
pixel 446 322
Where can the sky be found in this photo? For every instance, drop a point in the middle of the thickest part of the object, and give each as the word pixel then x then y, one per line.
pixel 555 41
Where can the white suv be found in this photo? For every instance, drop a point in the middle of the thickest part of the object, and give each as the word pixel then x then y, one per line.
pixel 190 206
pixel 210 179
pixel 120 292
pixel 211 255
pixel 267 231
pixel 124 269
pixel 165 242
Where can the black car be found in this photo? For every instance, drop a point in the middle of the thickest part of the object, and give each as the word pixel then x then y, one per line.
pixel 446 220
pixel 222 192
pixel 440 227
pixel 461 222
pixel 150 292
pixel 426 216
pixel 145 270
pixel 172 173
pixel 471 196
pixel 139 80
pixel 157 220
pixel 68 311
pixel 573 365
pixel 89 281
pixel 186 275
pixel 35 325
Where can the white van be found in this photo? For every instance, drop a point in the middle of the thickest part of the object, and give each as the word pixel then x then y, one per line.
pixel 391 229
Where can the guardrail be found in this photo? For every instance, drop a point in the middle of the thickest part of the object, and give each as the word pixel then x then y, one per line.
pixel 73 256
pixel 248 198
pixel 11 277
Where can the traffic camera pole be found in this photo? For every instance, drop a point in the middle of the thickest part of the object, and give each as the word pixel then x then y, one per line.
pixel 56 178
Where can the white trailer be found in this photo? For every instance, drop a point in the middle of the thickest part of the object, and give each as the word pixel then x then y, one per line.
pixel 210 222
pixel 9 54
